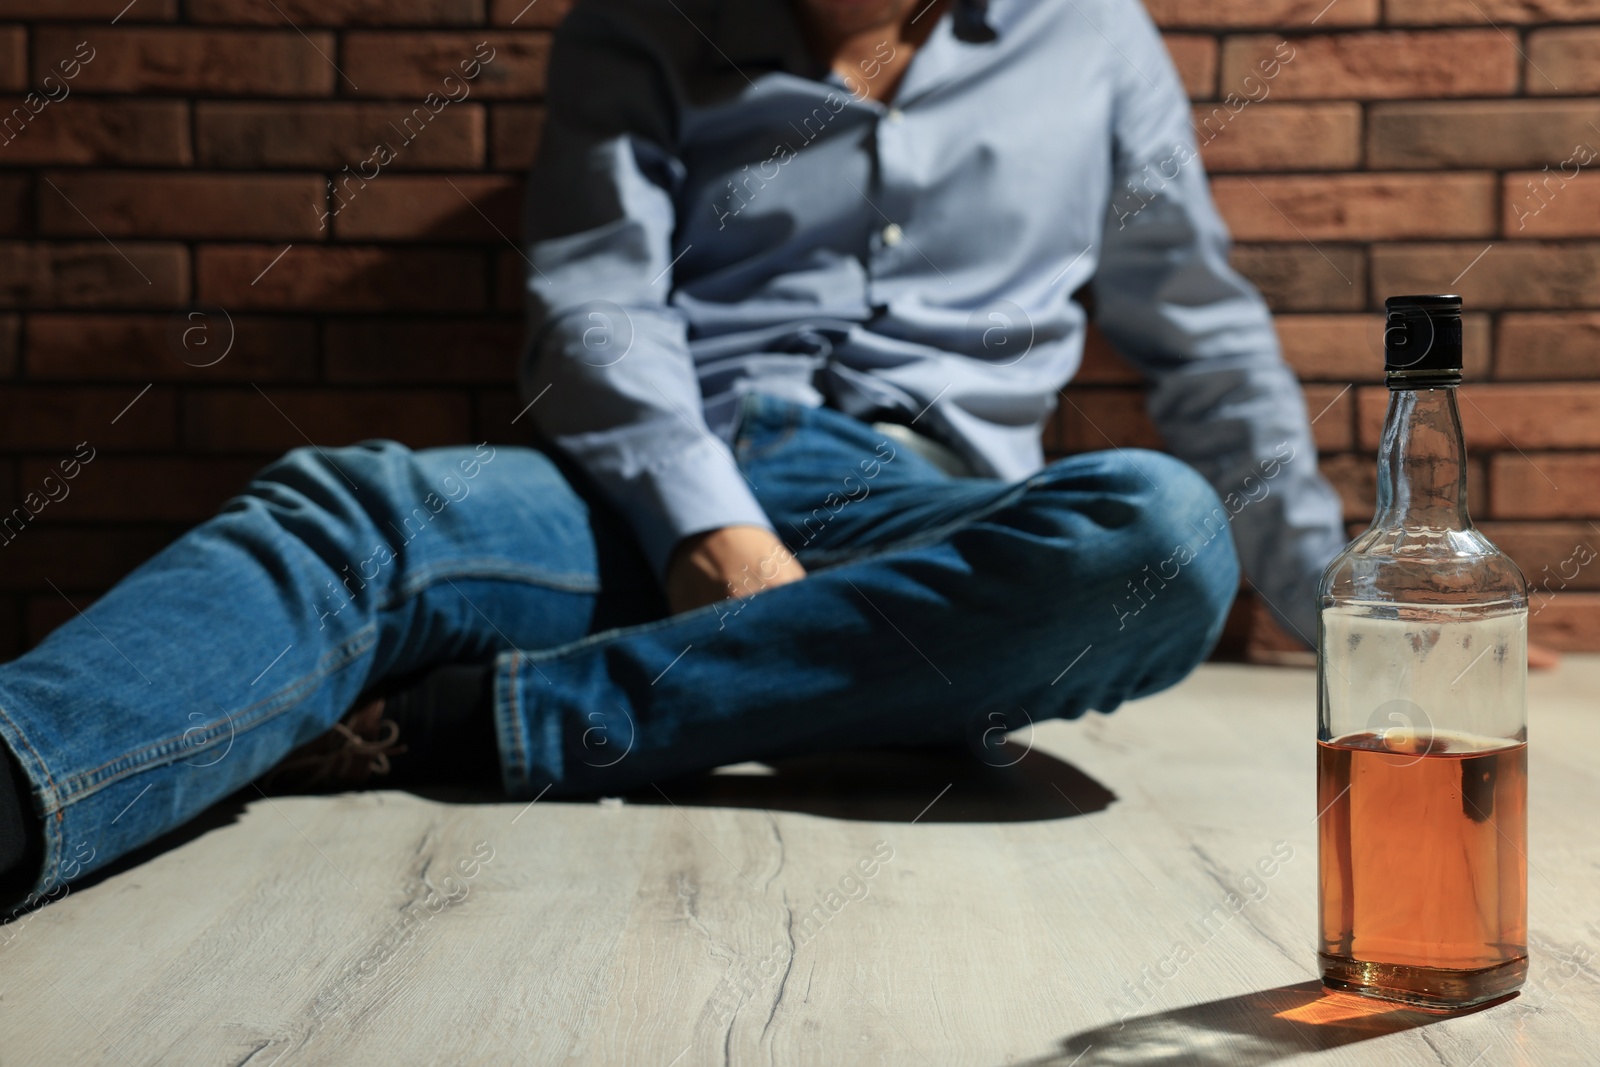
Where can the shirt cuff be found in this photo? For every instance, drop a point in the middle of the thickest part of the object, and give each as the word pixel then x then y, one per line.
pixel 687 492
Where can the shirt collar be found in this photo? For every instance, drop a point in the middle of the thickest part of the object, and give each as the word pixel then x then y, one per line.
pixel 1001 15
pixel 970 21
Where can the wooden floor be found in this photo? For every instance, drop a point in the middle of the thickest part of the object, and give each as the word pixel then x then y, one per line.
pixel 896 909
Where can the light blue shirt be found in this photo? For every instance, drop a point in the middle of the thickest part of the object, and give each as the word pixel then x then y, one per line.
pixel 714 213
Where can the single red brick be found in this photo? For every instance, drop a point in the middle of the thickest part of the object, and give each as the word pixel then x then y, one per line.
pixel 1569 622
pixel 190 345
pixel 1341 348
pixel 1556 202
pixel 1349 348
pixel 423 351
pixel 341 279
pixel 1517 274
pixel 129 488
pixel 84 557
pixel 1263 14
pixel 1503 417
pixel 502 64
pixel 1553 555
pixel 460 208
pixel 1195 56
pixel 339 12
pixel 1479 12
pixel 77 10
pixel 144 204
pixel 248 420
pixel 1346 207
pixel 1377 65
pixel 1523 417
pixel 89 131
pixel 185 60
pixel 1563 61
pixel 514 133
pixel 367 138
pixel 1502 134
pixel 1559 344
pixel 86 275
pixel 1545 485
pixel 14 58
pixel 1257 137
pixel 529 14
pixel 45 418
pixel 1303 278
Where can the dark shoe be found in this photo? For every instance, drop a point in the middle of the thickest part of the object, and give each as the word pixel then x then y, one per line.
pixel 357 749
pixel 447 717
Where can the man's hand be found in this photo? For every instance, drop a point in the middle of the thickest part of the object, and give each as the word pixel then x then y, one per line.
pixel 734 561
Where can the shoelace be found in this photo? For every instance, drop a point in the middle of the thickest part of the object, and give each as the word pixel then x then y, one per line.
pixel 338 753
pixel 379 748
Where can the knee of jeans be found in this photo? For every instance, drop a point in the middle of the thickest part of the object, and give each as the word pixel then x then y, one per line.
pixel 345 465
pixel 1183 570
pixel 341 483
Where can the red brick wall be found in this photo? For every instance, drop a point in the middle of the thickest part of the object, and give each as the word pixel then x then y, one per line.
pixel 183 163
pixel 187 163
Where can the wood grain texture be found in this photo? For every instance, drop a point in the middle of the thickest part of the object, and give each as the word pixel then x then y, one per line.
pixel 810 916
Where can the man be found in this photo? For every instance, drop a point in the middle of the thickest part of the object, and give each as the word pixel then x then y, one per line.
pixel 801 294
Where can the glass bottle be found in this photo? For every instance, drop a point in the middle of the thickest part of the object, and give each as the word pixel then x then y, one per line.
pixel 1422 712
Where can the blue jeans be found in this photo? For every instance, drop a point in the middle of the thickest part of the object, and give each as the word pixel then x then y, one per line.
pixel 936 609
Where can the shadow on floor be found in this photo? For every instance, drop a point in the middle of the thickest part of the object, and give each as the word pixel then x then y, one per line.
pixel 927 785
pixel 223 813
pixel 896 785
pixel 1244 1031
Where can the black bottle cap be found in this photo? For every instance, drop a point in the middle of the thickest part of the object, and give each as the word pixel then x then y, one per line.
pixel 1422 341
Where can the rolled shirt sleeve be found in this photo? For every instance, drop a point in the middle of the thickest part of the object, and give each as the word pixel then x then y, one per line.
pixel 607 367
pixel 1221 395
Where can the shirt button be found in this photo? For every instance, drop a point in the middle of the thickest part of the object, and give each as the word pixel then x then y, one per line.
pixel 894 114
pixel 893 234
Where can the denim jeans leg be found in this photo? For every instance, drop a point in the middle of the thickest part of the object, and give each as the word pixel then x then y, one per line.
pixel 255 631
pixel 1009 600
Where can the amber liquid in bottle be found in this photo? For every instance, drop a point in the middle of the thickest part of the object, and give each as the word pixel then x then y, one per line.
pixel 1423 851
pixel 1422 776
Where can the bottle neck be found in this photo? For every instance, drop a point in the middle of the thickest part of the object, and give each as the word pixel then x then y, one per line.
pixel 1422 469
